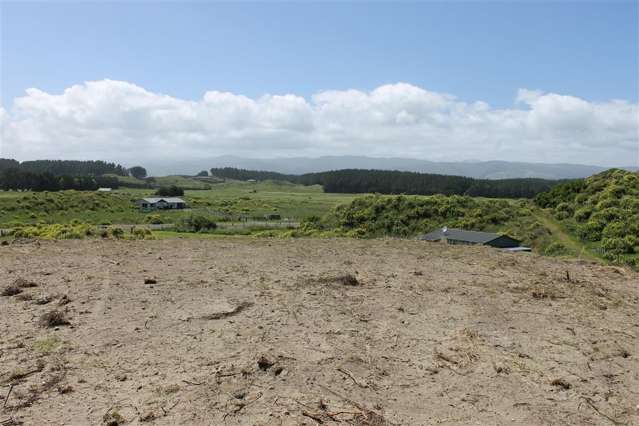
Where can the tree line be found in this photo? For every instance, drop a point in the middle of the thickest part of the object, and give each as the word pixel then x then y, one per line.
pixel 66 167
pixel 18 180
pixel 56 175
pixel 358 181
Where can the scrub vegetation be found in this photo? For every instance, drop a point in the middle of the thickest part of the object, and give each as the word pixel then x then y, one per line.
pixel 409 216
pixel 602 211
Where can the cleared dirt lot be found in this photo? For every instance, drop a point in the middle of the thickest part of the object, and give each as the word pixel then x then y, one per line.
pixel 258 331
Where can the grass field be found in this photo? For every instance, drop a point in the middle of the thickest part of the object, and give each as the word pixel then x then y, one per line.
pixel 225 201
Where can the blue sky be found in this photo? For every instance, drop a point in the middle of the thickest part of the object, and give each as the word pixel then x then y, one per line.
pixel 481 50
pixel 476 52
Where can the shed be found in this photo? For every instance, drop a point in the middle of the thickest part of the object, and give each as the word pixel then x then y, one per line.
pixel 104 189
pixel 460 236
pixel 161 203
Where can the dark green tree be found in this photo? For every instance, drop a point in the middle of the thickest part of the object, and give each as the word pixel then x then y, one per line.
pixel 138 172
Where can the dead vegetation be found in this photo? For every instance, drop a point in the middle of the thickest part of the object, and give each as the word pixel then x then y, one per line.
pixel 348 280
pixel 17 287
pixel 22 283
pixel 11 290
pixel 113 418
pixel 53 319
pixel 42 300
pixel 221 315
pixel 561 383
pixel 24 297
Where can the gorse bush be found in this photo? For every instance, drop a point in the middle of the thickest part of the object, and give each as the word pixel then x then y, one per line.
pixel 614 247
pixel 140 234
pixel 154 219
pixel 603 209
pixel 77 230
pixel 55 232
pixel 114 232
pixel 195 223
pixel 555 249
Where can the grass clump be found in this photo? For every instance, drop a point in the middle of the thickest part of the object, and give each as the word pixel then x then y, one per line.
pixel 47 345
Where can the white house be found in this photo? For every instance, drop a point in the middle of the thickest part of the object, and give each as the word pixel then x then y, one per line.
pixel 161 203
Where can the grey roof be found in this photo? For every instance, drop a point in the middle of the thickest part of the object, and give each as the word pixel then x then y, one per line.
pixel 167 199
pixel 461 235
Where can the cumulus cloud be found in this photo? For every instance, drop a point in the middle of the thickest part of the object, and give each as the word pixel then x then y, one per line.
pixel 120 121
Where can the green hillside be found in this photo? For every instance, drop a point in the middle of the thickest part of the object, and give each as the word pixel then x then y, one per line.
pixel 602 211
pixel 409 216
pixel 184 182
pixel 65 206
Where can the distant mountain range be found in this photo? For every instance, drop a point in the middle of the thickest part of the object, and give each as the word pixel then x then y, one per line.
pixel 300 165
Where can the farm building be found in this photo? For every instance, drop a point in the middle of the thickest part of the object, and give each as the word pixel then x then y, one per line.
pixel 161 203
pixel 104 189
pixel 459 236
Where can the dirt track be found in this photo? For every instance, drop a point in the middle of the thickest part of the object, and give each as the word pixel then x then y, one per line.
pixel 257 331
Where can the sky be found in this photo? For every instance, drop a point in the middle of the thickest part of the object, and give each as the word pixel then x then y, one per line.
pixel 536 81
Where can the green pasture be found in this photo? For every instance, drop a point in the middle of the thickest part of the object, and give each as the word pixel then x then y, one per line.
pixel 224 201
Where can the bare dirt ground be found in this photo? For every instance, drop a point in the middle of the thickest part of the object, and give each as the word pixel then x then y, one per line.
pixel 258 331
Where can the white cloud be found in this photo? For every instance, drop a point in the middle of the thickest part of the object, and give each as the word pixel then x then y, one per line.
pixel 120 121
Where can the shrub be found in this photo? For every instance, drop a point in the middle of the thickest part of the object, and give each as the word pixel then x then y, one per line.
pixel 154 219
pixel 615 230
pixel 614 247
pixel 555 249
pixel 115 232
pixel 591 230
pixel 141 234
pixel 170 191
pixel 564 207
pixel 608 203
pixel 196 223
pixel 608 214
pixel 583 214
pixel 75 230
